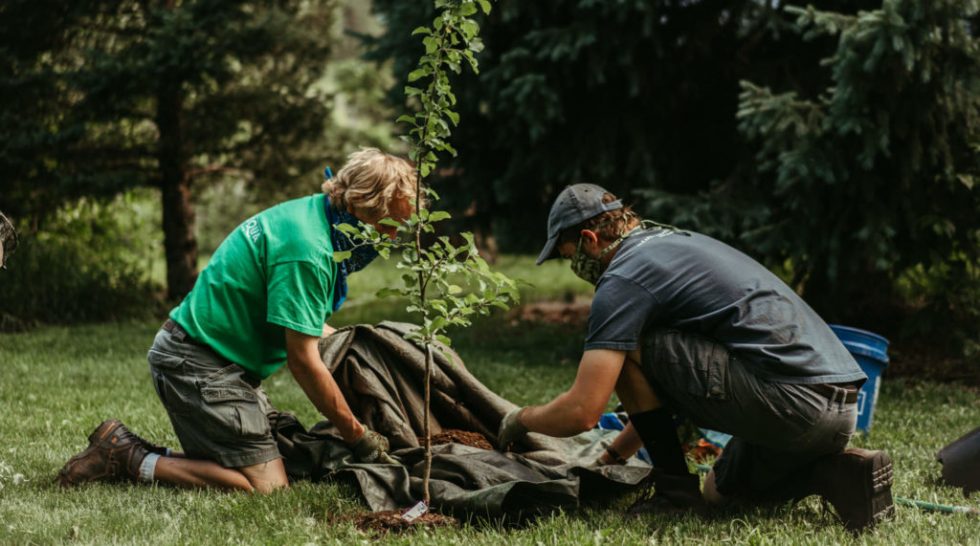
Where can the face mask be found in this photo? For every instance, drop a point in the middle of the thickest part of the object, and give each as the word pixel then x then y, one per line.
pixel 587 268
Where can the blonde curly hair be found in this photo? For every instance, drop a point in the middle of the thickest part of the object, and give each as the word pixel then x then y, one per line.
pixel 370 182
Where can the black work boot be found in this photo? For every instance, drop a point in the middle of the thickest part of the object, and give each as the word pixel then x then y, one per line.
pixel 858 484
pixel 671 494
pixel 113 454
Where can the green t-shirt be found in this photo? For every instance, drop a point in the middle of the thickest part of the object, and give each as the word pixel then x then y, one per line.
pixel 275 271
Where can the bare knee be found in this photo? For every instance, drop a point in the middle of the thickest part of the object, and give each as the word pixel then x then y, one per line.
pixel 265 487
pixel 266 477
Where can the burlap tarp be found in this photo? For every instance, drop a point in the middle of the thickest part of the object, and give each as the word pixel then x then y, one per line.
pixel 382 377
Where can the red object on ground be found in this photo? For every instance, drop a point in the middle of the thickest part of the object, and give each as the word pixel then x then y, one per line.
pixel 702 450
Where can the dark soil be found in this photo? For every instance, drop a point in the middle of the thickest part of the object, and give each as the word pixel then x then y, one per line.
pixel 472 439
pixel 922 360
pixel 381 523
pixel 574 311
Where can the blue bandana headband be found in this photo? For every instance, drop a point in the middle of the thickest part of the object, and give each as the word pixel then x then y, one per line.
pixel 360 257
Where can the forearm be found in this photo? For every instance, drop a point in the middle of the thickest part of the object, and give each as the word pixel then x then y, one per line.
pixel 625 444
pixel 579 408
pixel 325 395
pixel 562 417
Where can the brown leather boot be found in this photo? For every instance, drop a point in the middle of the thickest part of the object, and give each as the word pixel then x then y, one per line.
pixel 113 454
pixel 858 484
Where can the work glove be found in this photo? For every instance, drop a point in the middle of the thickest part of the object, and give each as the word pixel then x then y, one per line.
pixel 511 429
pixel 372 448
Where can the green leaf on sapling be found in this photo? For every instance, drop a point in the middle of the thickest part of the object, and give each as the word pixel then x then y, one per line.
pixel 438 323
pixel 389 292
pixel 347 227
pixel 470 28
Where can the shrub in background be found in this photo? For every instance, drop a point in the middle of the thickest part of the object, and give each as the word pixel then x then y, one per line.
pixel 89 261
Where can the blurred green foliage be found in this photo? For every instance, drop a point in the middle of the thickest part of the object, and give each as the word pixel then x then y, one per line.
pixel 267 93
pixel 162 94
pixel 838 144
pixel 90 262
pixel 631 95
pixel 874 174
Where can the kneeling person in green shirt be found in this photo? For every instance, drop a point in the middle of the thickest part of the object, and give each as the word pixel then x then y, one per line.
pixel 261 303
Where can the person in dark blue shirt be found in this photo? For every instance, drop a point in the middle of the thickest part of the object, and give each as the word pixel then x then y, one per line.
pixel 682 323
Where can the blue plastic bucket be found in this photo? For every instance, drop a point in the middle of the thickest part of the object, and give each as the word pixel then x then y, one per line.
pixel 871 352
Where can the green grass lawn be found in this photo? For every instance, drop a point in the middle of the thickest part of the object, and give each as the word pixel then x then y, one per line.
pixel 57 384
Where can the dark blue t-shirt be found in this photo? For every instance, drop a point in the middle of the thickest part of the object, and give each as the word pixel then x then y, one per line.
pixel 691 282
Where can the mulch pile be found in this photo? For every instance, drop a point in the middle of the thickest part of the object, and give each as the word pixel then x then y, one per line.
pixel 452 435
pixel 381 523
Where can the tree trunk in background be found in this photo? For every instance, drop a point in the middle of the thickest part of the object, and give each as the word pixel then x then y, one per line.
pixel 178 210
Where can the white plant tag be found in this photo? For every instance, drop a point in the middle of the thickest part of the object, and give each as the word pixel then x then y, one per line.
pixel 415 512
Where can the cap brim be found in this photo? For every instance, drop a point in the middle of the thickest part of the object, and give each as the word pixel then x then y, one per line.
pixel 548 252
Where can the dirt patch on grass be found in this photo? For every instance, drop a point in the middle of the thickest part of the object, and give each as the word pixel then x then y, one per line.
pixel 564 311
pixel 912 358
pixel 391 521
pixel 472 439
pixel 921 360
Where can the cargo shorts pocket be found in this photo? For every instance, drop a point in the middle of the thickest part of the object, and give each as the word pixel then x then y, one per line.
pixel 235 407
pixel 697 365
pixel 175 392
pixel 164 361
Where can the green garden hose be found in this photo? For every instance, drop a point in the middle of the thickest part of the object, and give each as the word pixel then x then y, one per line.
pixel 934 507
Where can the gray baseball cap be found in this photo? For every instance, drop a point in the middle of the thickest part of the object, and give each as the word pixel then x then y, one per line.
pixel 574 205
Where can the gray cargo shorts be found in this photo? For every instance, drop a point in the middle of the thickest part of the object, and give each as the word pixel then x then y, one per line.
pixel 218 412
pixel 779 429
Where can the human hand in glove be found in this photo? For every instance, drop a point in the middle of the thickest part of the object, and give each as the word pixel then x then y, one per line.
pixel 372 448
pixel 511 429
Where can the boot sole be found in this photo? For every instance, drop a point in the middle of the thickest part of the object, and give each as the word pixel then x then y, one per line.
pixel 100 433
pixel 876 476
